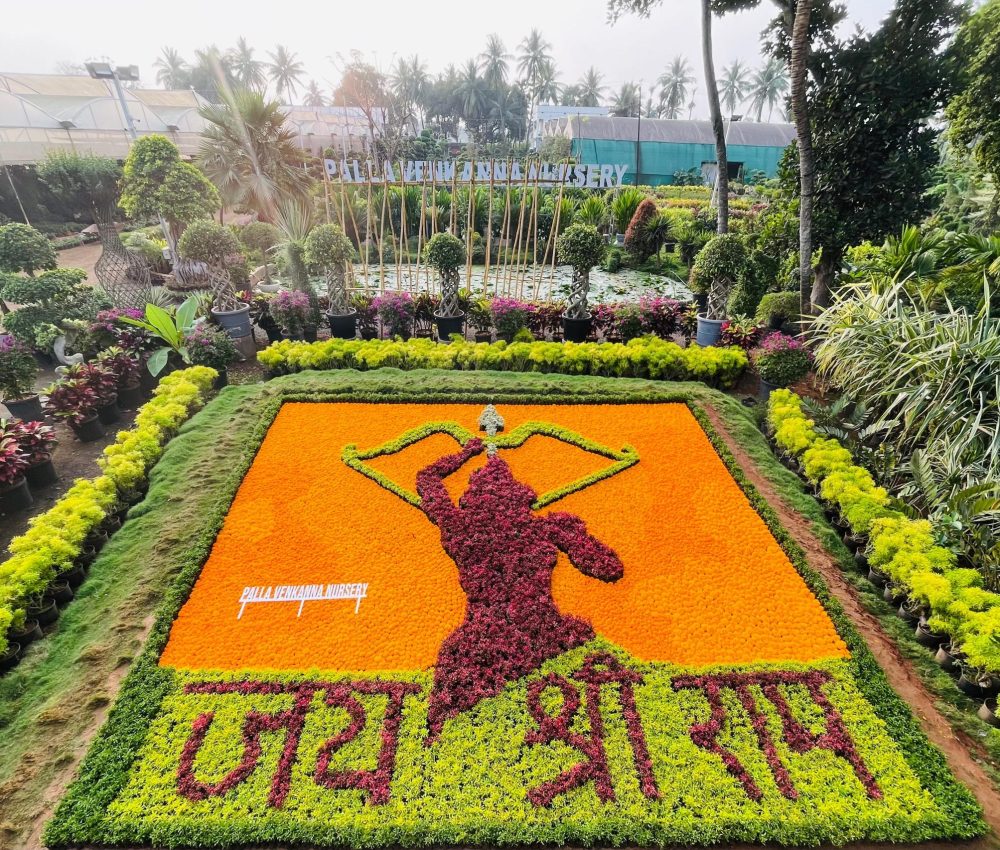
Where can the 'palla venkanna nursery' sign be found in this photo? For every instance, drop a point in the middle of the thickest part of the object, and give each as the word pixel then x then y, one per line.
pixel 446 172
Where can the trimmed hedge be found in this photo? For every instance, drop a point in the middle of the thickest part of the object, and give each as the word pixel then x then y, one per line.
pixel 902 548
pixel 56 538
pixel 649 357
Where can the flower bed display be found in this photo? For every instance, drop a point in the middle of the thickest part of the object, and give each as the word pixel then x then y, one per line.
pixel 560 617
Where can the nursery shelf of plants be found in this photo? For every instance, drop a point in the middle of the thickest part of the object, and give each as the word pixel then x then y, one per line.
pixel 512 623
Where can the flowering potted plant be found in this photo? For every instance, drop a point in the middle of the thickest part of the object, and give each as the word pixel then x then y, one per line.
pixel 364 304
pixel 445 252
pixel 260 310
pixel 37 440
pixel 18 371
pixel 780 362
pixel 75 401
pixel 104 383
pixel 291 309
pixel 509 316
pixel 14 492
pixel 208 346
pixel 125 367
pixel 481 318
pixel 395 310
pixel 424 308
pixel 741 331
pixel 582 247
pixel 330 250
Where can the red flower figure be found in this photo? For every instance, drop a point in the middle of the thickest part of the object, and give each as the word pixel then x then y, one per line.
pixel 505 555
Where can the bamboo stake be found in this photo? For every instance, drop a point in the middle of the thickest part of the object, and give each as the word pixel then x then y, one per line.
pixel 533 233
pixel 489 229
pixel 550 243
pixel 470 224
pixel 392 236
pixel 420 232
pixel 512 282
pixel 434 216
pixel 504 236
pixel 368 231
pixel 381 236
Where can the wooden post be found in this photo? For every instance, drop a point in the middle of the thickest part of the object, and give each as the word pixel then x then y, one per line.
pixel 489 230
pixel 470 224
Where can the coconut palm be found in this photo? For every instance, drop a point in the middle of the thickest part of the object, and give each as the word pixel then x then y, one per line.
pixel 250 154
pixel 473 95
pixel 768 88
pixel 547 87
pixel 409 82
pixel 494 61
pixel 509 111
pixel 590 89
pixel 172 71
pixel 733 86
pixel 626 102
pixel 531 60
pixel 249 72
pixel 314 97
pixel 675 84
pixel 211 74
pixel 285 70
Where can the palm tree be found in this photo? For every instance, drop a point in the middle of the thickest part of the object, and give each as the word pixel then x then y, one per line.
pixel 509 112
pixel 533 57
pixel 211 74
pixel 285 70
pixel 250 154
pixel 625 103
pixel 715 111
pixel 172 71
pixel 800 43
pixel 408 81
pixel 547 87
pixel 674 84
pixel 590 89
pixel 733 86
pixel 768 86
pixel 473 94
pixel 314 97
pixel 495 58
pixel 249 72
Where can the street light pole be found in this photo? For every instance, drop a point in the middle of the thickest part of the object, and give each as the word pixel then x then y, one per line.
pixel 130 73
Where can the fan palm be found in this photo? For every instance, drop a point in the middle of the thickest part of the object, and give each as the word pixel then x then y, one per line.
pixel 675 83
pixel 250 154
pixel 171 70
pixel 733 86
pixel 494 60
pixel 768 88
pixel 249 72
pixel 285 70
pixel 590 89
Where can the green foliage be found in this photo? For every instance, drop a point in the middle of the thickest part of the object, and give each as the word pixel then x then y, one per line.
pixel 581 246
pixel 52 298
pixel 186 195
pixel 326 246
pixel 640 239
pixel 18 370
pixel 24 249
pixel 206 241
pixel 170 327
pixel 150 249
pixel 777 305
pixel 593 210
pixel 149 160
pixel 624 203
pixel 717 269
pixel 649 357
pixel 57 537
pixel 444 252
pixel 259 237
pixel 81 181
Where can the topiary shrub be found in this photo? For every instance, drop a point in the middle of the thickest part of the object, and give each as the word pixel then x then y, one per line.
pixel 637 239
pixel 327 248
pixel 205 241
pixel 446 253
pixel 582 247
pixel 776 308
pixel 258 238
pixel 717 269
pixel 24 249
pixel 50 299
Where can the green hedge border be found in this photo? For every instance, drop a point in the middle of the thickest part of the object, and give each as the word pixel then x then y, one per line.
pixel 102 776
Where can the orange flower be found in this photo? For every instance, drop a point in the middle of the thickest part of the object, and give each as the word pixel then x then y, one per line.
pixel 704 581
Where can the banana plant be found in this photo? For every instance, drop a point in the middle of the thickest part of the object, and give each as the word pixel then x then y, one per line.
pixel 171 327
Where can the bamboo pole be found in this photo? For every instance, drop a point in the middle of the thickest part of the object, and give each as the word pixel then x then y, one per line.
pixel 381 235
pixel 392 237
pixel 533 233
pixel 433 216
pixel 504 236
pixel 489 229
pixel 553 235
pixel 470 224
pixel 512 282
pixel 420 232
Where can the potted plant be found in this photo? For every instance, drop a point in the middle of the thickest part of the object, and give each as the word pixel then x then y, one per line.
pixel 509 316
pixel 37 440
pixel 780 361
pixel 446 253
pixel 75 401
pixel 582 247
pixel 327 248
pixel 481 319
pixel 742 332
pixel 424 308
pixel 364 304
pixel 18 371
pixel 14 492
pixel 208 243
pixel 169 328
pixel 717 269
pixel 776 309
pixel 125 367
pixel 209 346
pixel 395 310
pixel 104 383
pixel 291 309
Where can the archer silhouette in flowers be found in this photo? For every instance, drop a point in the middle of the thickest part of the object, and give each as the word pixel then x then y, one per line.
pixel 505 555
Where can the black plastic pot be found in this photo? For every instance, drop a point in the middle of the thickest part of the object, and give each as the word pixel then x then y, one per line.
pixel 484 336
pixel 147 381
pixel 988 712
pixel 893 595
pixel 343 326
pixel 976 688
pixel 764 389
pixel 448 325
pixel 45 612
pixel 925 637
pixel 309 333
pixel 861 559
pixel 86 556
pixel 577 330
pixel 221 380
pixel 272 330
pixel 41 474
pixel 89 429
pixel 109 413
pixel 130 397
pixel 10 658
pixel 369 334
pixel 946 659
pixel 29 632
pixel 60 592
pixel 908 616
pixel 876 577
pixel 112 522
pixel 74 577
pixel 15 498
pixel 29 409
pixel 775 323
pixel 96 540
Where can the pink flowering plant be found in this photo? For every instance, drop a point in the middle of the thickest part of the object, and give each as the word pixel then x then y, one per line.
pixel 207 345
pixel 290 308
pixel 781 360
pixel 396 311
pixel 510 315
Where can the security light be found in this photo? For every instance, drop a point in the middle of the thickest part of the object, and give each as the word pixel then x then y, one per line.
pixel 128 73
pixel 100 70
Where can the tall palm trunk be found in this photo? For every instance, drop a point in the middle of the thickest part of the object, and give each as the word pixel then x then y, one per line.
pixel 807 161
pixel 716 111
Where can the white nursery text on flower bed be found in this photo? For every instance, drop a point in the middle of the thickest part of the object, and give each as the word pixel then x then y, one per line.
pixel 303 593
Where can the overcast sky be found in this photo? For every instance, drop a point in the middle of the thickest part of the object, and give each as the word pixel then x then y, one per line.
pixel 36 37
